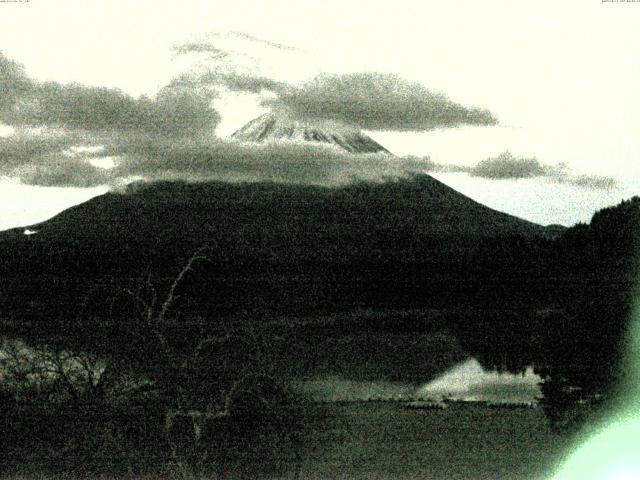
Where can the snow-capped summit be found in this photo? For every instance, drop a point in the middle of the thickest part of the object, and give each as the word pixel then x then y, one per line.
pixel 272 126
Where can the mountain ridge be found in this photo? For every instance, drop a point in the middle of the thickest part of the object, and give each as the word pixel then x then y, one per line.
pixel 422 188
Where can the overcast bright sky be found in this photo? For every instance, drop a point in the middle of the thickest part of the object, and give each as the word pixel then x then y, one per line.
pixel 561 77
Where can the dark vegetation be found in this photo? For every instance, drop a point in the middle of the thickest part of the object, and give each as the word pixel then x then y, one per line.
pixel 578 340
pixel 147 357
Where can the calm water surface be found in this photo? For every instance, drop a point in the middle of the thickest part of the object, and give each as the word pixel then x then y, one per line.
pixel 384 440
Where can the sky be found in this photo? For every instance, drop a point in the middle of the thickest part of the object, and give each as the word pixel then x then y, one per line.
pixel 544 93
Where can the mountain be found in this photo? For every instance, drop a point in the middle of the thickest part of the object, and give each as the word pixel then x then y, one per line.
pixel 275 247
pixel 268 216
pixel 277 254
pixel 274 126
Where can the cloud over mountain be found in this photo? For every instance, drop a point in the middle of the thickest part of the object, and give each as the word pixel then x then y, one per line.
pixel 377 101
pixel 598 182
pixel 41 156
pixel 198 47
pixel 371 101
pixel 368 100
pixel 49 159
pixel 234 81
pixel 208 44
pixel 170 136
pixel 175 110
pixel 278 161
pixel 49 118
pixel 506 166
pixel 14 83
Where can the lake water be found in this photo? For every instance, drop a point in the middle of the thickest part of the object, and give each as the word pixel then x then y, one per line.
pixel 385 440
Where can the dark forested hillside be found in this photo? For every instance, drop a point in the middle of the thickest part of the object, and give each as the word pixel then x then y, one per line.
pixel 579 340
pixel 275 249
pixel 584 350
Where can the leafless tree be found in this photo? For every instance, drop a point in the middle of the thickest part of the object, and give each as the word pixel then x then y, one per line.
pixel 52 373
pixel 189 422
pixel 236 361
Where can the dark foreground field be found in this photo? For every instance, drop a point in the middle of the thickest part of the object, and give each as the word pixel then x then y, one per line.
pixel 386 440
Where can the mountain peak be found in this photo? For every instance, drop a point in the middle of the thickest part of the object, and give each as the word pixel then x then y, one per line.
pixel 275 126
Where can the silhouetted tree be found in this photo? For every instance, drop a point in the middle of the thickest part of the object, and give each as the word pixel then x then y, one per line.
pixel 585 343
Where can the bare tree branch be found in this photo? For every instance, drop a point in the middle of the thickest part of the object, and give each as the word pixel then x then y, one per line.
pixel 197 256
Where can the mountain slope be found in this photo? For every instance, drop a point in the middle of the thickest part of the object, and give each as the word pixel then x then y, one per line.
pixel 272 126
pixel 274 251
pixel 418 207
pixel 262 228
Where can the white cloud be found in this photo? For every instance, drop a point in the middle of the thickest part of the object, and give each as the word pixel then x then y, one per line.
pixel 6 130
pixel 105 163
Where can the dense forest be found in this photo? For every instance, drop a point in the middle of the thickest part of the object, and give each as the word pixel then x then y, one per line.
pixel 577 337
